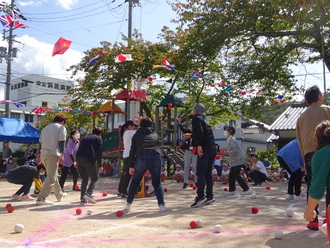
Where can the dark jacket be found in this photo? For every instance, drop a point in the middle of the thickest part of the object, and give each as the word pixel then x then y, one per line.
pixel 145 140
pixel 24 172
pixel 91 148
pixel 202 132
pixel 188 142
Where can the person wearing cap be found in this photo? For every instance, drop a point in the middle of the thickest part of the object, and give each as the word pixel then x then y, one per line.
pixel 206 150
pixel 127 131
pixel 237 159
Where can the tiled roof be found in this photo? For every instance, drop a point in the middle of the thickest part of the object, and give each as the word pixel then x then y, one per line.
pixel 288 119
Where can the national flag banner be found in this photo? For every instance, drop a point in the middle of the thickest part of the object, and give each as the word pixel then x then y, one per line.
pixel 260 93
pixel 160 66
pixel 61 46
pixel 168 65
pixel 123 57
pixel 10 21
pixel 18 105
pixel 97 57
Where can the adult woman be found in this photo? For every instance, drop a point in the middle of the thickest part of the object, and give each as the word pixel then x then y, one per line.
pixel 320 169
pixel 145 155
pixel 69 160
pixel 127 131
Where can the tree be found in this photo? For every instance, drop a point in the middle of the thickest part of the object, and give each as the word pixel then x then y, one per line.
pixel 255 42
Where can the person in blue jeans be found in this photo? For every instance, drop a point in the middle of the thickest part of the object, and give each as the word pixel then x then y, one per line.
pixel 145 155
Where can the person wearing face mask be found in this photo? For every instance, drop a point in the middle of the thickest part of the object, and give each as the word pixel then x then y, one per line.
pixel 11 164
pixel 24 176
pixel 237 159
pixel 69 162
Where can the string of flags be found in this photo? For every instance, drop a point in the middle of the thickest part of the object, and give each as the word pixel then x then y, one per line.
pixel 10 21
pixel 17 104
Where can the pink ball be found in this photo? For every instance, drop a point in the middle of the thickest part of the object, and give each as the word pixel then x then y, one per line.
pixel 268 188
pixel 119 213
pixel 105 194
pixel 78 211
pixel 191 185
pixel 76 187
pixel 193 224
pixel 254 210
pixel 225 189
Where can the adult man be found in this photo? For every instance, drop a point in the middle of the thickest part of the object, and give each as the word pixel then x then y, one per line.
pixel 52 141
pixel 89 160
pixel 7 152
pixel 258 170
pixel 206 150
pixel 305 130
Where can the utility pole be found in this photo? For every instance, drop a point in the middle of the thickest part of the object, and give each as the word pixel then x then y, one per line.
pixel 9 56
pixel 130 7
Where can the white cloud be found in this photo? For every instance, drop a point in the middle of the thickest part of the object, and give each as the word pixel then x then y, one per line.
pixel 31 3
pixel 67 4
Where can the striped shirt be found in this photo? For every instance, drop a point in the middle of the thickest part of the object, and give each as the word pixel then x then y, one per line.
pixel 235 152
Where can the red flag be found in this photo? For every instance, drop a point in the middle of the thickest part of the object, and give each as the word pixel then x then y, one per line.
pixel 61 46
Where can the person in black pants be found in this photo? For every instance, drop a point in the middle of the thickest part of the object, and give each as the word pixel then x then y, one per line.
pixel 89 160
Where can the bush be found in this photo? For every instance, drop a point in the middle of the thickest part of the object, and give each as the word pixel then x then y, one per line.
pixel 271 153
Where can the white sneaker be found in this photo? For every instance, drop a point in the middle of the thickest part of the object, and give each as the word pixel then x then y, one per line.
pixel 62 196
pixel 45 202
pixel 289 197
pixel 299 198
pixel 230 192
pixel 127 207
pixel 162 208
pixel 249 191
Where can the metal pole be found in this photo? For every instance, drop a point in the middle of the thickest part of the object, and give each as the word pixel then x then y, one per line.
pixel 10 48
pixel 130 7
pixel 323 59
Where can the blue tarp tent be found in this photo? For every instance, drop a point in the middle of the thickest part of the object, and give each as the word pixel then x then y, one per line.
pixel 17 130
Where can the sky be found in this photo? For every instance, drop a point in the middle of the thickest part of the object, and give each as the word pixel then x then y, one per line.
pixel 86 23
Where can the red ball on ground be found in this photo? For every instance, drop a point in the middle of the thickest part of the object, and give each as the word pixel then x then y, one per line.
pixel 225 189
pixel 268 188
pixel 191 185
pixel 193 224
pixel 147 187
pixel 8 205
pixel 194 187
pixel 254 210
pixel 105 194
pixel 119 213
pixel 10 209
pixel 165 189
pixel 78 211
pixel 76 187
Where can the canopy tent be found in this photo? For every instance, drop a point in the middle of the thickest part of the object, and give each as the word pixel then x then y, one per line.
pixel 176 102
pixel 109 107
pixel 17 130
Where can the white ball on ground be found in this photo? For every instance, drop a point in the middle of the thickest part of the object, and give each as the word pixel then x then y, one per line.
pixel 278 234
pixel 18 228
pixel 89 211
pixel 324 213
pixel 289 212
pixel 200 223
pixel 253 196
pixel 217 228
pixel 324 228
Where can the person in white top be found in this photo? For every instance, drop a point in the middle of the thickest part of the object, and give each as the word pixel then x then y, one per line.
pixel 258 171
pixel 127 132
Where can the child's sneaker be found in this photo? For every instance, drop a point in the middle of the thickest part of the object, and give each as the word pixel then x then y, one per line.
pixel 289 197
pixel 16 197
pixel 162 208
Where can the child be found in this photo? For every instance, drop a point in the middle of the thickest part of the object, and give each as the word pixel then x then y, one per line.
pixel 178 174
pixel 107 169
pixel 163 176
pixel 214 174
pixel 225 173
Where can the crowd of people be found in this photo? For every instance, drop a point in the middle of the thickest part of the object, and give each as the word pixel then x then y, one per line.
pixel 204 162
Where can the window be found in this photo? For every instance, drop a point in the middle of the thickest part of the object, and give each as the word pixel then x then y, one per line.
pixel 68 88
pixel 62 87
pixel 121 117
pixel 15 86
pixel 38 83
pixel 44 104
pixel 57 86
pixel 28 118
pixel 11 87
pixel 24 102
pixel 44 84
pixel 22 85
pixel 50 85
pixel 15 115
pixel 232 123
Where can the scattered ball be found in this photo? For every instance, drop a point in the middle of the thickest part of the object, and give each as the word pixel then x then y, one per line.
pixel 194 188
pixel 268 188
pixel 18 228
pixel 119 213
pixel 165 189
pixel 78 211
pixel 324 229
pixel 217 228
pixel 278 234
pixel 10 209
pixel 193 224
pixel 76 187
pixel 8 205
pixel 225 189
pixel 105 194
pixel 147 187
pixel 191 185
pixel 254 210
pixel 289 212
pixel 89 211
pixel 200 223
pixel 324 213
pixel 253 196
